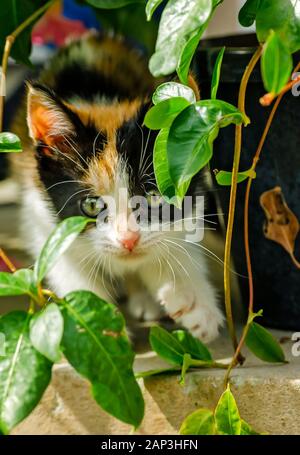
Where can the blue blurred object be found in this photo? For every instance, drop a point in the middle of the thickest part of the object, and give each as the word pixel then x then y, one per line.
pixel 85 14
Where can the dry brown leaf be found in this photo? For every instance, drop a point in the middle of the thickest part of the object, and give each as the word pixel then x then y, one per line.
pixel 281 225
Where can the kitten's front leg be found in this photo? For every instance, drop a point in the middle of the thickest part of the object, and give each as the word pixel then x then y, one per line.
pixel 188 297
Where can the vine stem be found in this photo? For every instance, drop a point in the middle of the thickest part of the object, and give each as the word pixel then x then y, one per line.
pixel 246 225
pixel 10 39
pixel 229 232
pixel 7 261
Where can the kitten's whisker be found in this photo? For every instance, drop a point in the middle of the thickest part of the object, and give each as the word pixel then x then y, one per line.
pixel 74 194
pixel 65 155
pixel 170 266
pixel 75 150
pixel 94 143
pixel 61 183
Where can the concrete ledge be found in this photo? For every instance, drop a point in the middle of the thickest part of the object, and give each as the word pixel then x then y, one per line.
pixel 268 397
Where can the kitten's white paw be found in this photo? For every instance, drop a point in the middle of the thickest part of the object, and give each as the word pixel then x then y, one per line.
pixel 199 314
pixel 142 307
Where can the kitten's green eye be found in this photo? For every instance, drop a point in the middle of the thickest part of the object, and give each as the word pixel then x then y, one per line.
pixel 154 199
pixel 92 206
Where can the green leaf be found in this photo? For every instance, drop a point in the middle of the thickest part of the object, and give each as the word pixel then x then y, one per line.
pixel 191 137
pixel 189 49
pixel 95 344
pixel 166 345
pixel 247 14
pixel 10 143
pixel 24 372
pixel 58 242
pixel 180 20
pixel 46 331
pixel 200 422
pixel 151 7
pixel 281 16
pixel 224 178
pixel 163 114
pixel 173 89
pixel 192 345
pixel 276 64
pixel 112 4
pixel 246 430
pixel 262 343
pixel 161 170
pixel 19 283
pixel 216 74
pixel 227 415
pixel 12 14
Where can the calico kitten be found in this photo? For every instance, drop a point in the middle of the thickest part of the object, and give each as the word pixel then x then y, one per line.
pixel 86 140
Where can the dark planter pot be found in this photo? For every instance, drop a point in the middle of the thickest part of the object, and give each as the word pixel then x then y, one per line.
pixel 276 279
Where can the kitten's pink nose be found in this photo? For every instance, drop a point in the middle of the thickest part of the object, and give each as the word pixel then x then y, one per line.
pixel 129 239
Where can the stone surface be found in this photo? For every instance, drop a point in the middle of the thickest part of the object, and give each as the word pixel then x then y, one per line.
pixel 268 397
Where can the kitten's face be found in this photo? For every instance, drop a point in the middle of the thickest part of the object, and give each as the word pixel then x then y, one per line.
pixel 92 160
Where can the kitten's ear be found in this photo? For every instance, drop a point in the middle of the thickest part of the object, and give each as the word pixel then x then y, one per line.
pixel 48 118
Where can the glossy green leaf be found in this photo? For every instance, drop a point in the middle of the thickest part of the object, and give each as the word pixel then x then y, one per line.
pixel 10 143
pixel 191 136
pixel 171 90
pixel 163 114
pixel 187 54
pixel 24 372
pixel 224 178
pixel 188 50
pixel 58 242
pixel 180 20
pixel 200 422
pixel 247 14
pixel 281 16
pixel 276 64
pixel 46 331
pixel 262 343
pixel 216 74
pixel 12 14
pixel 94 342
pixel 227 415
pixel 111 4
pixel 19 283
pixel 166 345
pixel 151 7
pixel 247 430
pixel 192 345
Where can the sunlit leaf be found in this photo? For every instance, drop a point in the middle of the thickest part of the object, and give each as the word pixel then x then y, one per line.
pixel 9 142
pixel 192 134
pixel 173 89
pixel 163 114
pixel 95 344
pixel 227 415
pixel 19 283
pixel 180 20
pixel 216 74
pixel 151 7
pixel 224 177
pixel 24 372
pixel 58 242
pixel 276 64
pixel 200 422
pixel 46 330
